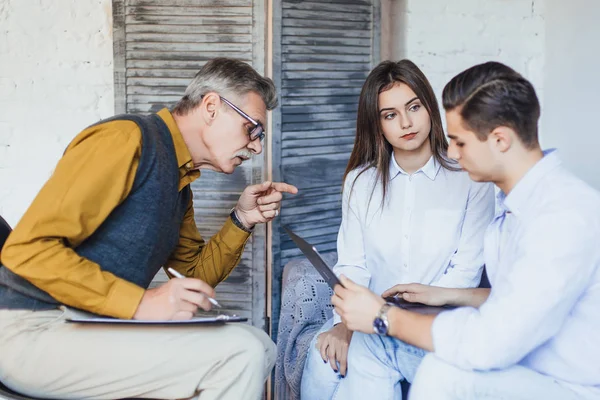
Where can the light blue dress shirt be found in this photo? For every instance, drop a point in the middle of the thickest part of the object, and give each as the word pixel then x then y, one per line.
pixel 430 230
pixel 542 254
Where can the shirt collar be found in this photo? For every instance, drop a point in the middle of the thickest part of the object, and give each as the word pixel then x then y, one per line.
pixel 184 159
pixel 518 198
pixel 430 169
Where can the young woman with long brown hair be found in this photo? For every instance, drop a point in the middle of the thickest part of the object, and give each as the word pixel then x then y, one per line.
pixel 409 214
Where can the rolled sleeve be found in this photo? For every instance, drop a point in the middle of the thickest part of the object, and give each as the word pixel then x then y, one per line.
pixel 123 299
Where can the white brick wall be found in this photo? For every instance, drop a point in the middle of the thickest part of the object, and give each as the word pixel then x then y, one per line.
pixel 572 84
pixel 56 78
pixel 445 37
pixel 552 43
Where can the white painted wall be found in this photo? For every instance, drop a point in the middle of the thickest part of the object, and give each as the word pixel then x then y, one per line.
pixel 572 85
pixel 445 37
pixel 56 77
pixel 555 44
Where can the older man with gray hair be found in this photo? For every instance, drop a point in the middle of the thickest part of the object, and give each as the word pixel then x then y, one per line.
pixel 117 208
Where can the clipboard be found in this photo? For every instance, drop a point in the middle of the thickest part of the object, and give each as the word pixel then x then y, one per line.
pixel 75 316
pixel 315 259
pixel 216 320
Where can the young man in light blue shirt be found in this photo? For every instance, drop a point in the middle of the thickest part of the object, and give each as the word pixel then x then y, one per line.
pixel 534 335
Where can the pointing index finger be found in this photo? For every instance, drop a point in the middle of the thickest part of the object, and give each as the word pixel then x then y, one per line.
pixel 285 187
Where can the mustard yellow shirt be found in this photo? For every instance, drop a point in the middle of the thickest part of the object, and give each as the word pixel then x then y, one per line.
pixel 94 176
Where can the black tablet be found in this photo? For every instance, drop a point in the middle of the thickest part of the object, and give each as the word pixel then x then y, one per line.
pixel 315 258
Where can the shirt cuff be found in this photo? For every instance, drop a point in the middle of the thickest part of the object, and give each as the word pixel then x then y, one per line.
pixel 232 236
pixel 123 300
pixel 336 318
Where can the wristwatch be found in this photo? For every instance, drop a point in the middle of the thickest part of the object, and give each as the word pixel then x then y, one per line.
pixel 380 323
pixel 237 222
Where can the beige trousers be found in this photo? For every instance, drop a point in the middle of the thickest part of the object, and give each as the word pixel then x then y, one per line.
pixel 43 356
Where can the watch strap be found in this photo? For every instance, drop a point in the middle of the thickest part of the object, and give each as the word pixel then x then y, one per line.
pixel 236 221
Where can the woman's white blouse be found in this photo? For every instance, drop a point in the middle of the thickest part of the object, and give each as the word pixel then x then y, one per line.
pixel 430 229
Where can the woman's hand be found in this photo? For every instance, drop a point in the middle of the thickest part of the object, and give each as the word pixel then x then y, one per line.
pixel 333 346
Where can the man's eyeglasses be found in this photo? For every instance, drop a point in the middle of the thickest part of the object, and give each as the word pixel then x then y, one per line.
pixel 257 131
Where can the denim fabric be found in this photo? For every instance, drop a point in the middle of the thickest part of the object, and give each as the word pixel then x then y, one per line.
pixel 376 367
pixel 379 364
pixel 319 381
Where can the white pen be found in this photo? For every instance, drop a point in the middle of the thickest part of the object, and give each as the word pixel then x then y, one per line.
pixel 178 275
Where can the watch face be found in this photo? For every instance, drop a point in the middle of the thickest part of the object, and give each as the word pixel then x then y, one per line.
pixel 380 326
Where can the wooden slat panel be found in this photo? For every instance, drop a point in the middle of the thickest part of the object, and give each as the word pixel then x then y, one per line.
pixel 150 81
pixel 321 83
pixel 315 240
pixel 305 118
pixel 308 229
pixel 165 43
pixel 313 151
pixel 332 92
pixel 316 170
pixel 311 193
pixel 216 182
pixel 144 100
pixel 189 47
pixel 320 108
pixel 181 55
pixel 314 23
pixel 321 66
pixel 344 3
pixel 316 15
pixel 322 247
pixel 314 207
pixel 298 143
pixel 318 134
pixel 188 11
pixel 156 90
pixel 322 198
pixel 119 34
pixel 161 73
pixel 186 20
pixel 325 41
pixel 167 64
pixel 190 3
pixel 321 242
pixel 158 37
pixel 324 242
pixel 328 58
pixel 318 100
pixel 318 125
pixel 324 55
pixel 316 6
pixel 324 32
pixel 197 29
pixel 321 49
pixel 312 218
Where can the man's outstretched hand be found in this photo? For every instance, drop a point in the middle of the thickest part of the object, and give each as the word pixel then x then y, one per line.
pixel 261 203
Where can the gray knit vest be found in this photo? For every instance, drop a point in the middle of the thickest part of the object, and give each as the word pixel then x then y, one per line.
pixel 138 236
